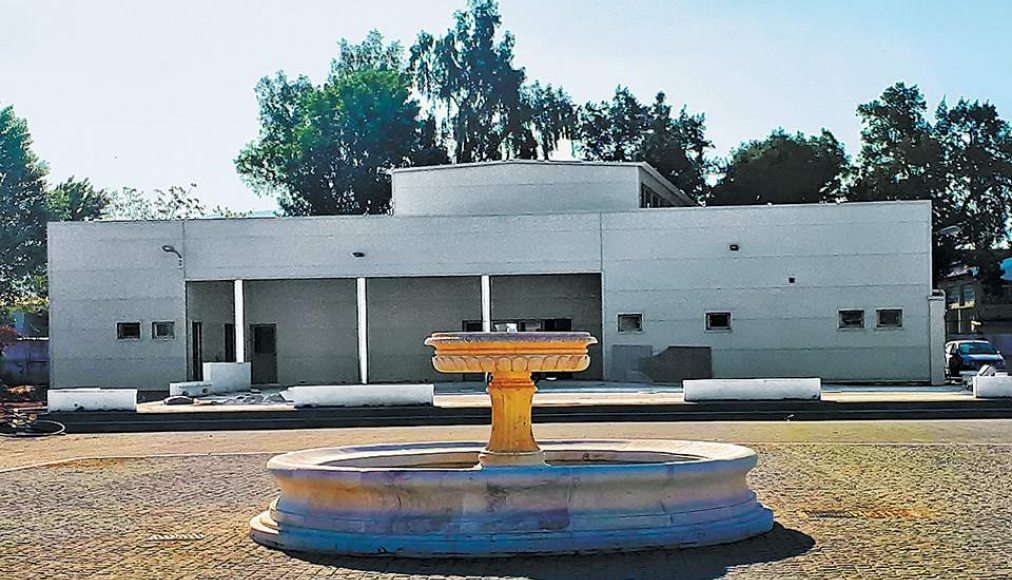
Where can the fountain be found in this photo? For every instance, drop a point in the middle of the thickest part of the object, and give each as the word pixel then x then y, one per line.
pixel 511 495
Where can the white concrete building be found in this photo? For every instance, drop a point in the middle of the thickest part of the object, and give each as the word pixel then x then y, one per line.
pixel 841 292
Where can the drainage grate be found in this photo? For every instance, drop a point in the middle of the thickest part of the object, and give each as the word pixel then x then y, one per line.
pixel 894 514
pixel 175 537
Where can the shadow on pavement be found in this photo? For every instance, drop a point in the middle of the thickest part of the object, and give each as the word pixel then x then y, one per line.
pixel 709 562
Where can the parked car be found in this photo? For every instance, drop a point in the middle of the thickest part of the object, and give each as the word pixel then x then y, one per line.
pixel 969 355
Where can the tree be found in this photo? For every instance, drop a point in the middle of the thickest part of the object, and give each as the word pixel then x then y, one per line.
pixel 613 130
pixel 174 203
pixel 676 147
pixel 77 201
pixel 23 209
pixel 782 168
pixel 623 129
pixel 962 163
pixel 327 149
pixel 485 108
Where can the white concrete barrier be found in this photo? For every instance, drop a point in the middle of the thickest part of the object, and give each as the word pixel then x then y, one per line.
pixel 227 377
pixel 191 388
pixel 361 395
pixel 751 389
pixel 91 399
pixel 993 387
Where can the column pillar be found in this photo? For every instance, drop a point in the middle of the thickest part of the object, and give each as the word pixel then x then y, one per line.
pixel 363 342
pixel 239 307
pixel 486 304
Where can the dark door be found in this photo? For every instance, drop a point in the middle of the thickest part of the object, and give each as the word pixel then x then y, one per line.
pixel 264 362
pixel 230 343
pixel 197 350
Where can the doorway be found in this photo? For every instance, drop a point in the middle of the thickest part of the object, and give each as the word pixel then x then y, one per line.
pixel 197 350
pixel 264 362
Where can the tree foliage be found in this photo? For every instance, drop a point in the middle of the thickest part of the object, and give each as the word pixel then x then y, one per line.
pixel 962 163
pixel 327 149
pixel 623 129
pixel 782 168
pixel 486 109
pixel 77 201
pixel 23 209
pixel 174 203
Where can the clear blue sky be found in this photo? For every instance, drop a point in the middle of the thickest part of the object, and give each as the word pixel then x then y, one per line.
pixel 155 93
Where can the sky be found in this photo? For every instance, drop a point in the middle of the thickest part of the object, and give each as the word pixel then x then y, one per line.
pixel 150 94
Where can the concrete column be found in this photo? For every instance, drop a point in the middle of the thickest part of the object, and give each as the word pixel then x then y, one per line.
pixel 936 336
pixel 363 342
pixel 486 304
pixel 239 306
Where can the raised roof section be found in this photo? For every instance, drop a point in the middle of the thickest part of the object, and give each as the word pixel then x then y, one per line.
pixel 522 187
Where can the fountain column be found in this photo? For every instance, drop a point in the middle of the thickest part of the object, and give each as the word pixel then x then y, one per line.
pixel 512 439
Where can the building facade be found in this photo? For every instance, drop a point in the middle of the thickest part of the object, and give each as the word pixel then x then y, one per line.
pixel 841 292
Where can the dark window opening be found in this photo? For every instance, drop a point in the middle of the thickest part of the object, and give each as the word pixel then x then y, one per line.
pixel 128 330
pixel 630 322
pixel 890 318
pixel 718 321
pixel 851 319
pixel 163 330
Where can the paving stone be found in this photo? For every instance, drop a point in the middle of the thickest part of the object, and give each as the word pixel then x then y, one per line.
pixel 843 510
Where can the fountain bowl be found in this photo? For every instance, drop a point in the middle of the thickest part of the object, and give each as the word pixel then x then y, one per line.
pixel 437 500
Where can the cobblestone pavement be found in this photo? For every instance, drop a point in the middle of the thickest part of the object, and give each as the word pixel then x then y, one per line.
pixel 844 507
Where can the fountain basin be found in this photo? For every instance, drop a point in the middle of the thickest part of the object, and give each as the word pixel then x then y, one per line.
pixel 435 500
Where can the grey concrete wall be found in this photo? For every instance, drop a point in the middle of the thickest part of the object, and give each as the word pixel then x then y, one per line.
pixel 211 304
pixel 104 273
pixel 322 247
pixel 317 332
pixel 674 265
pixel 671 265
pixel 512 188
pixel 403 312
pixel 573 296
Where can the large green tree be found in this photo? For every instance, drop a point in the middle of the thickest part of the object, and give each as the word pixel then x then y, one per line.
pixel 782 168
pixel 23 210
pixel 623 129
pixel 486 109
pixel 327 149
pixel 961 162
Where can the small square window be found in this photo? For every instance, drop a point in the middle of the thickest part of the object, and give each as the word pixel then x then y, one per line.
pixel 889 318
pixel 630 323
pixel 851 319
pixel 718 321
pixel 128 330
pixel 163 330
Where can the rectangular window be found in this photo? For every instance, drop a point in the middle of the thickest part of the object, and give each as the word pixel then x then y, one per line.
pixel 969 294
pixel 630 323
pixel 889 318
pixel 851 319
pixel 163 330
pixel 128 330
pixel 472 326
pixel 718 321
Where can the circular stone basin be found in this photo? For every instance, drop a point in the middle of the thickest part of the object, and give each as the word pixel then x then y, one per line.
pixel 433 500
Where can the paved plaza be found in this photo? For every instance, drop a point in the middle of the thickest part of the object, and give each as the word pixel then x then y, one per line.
pixel 852 499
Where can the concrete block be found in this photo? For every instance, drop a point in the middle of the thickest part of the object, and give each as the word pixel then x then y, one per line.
pixel 91 399
pixel 191 389
pixel 228 377
pixel 993 387
pixel 752 389
pixel 361 395
pixel 679 363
